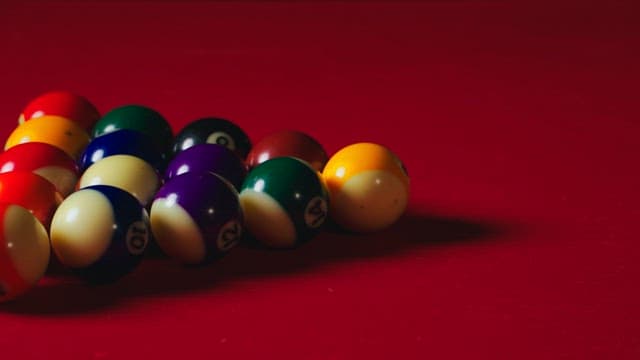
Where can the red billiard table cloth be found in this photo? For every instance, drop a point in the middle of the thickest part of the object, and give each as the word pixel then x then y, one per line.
pixel 517 121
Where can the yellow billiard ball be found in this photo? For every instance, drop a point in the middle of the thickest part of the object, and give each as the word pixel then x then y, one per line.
pixel 368 187
pixel 54 130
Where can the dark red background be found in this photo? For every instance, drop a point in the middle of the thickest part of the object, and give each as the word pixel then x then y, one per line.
pixel 518 123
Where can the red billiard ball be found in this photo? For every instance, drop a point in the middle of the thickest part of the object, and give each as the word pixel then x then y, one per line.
pixel 288 143
pixel 64 104
pixel 45 160
pixel 32 192
pixel 24 251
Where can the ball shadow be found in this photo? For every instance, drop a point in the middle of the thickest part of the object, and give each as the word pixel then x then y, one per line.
pixel 59 293
pixel 411 232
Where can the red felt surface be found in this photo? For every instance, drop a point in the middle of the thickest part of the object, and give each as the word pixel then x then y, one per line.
pixel 518 124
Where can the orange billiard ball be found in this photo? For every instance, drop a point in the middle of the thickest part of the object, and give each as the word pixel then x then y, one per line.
pixel 368 187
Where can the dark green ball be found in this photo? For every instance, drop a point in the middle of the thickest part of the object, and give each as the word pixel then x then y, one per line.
pixel 284 202
pixel 139 118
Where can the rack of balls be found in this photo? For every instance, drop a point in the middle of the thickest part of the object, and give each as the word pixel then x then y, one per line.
pixel 94 190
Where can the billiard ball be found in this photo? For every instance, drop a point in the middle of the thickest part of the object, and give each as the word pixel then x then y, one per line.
pixel 139 118
pixel 213 131
pixel 64 104
pixel 368 187
pixel 126 172
pixel 45 160
pixel 54 130
pixel 196 217
pixel 208 157
pixel 288 143
pixel 24 251
pixel 32 192
pixel 284 202
pixel 100 233
pixel 123 142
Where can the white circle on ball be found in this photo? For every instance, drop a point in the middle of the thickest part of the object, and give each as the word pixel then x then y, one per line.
pixel 229 235
pixel 137 237
pixel 316 212
pixel 221 138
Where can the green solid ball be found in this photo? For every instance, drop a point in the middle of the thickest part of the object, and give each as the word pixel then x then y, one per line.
pixel 284 201
pixel 139 118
